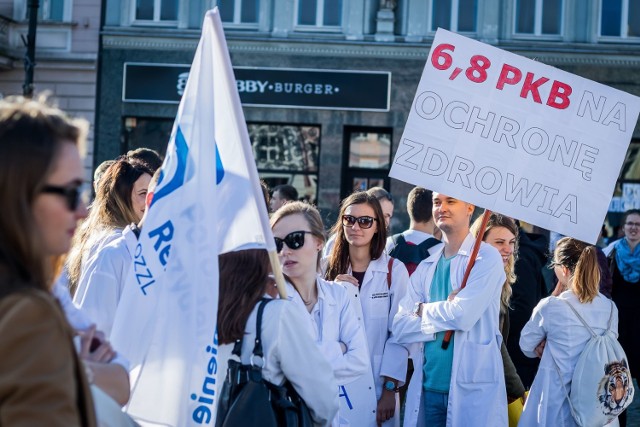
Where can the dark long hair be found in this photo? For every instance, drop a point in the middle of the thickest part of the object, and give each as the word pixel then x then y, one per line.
pixel 244 276
pixel 31 136
pixel 339 257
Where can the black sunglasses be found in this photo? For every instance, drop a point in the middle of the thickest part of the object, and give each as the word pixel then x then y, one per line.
pixel 294 240
pixel 71 194
pixel 363 221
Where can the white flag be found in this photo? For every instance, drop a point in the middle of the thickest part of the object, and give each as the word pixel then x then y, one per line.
pixel 208 201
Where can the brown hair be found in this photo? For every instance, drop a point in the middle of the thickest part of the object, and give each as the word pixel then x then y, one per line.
pixel 310 214
pixel 244 276
pixel 420 204
pixel 31 136
pixel 111 209
pixel 498 220
pixel 339 257
pixel 582 261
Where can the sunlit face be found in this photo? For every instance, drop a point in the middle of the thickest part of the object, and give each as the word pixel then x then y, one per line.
pixel 387 211
pixel 54 221
pixel 632 228
pixel 451 214
pixel 355 235
pixel 139 194
pixel 301 262
pixel 503 240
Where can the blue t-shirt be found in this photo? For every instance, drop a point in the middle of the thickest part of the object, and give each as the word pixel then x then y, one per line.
pixel 437 362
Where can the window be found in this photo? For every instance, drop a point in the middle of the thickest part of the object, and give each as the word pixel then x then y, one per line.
pixel 620 18
pixel 48 10
pixel 239 12
pixel 287 154
pixel 454 15
pixel 367 158
pixel 538 17
pixel 319 13
pixel 156 11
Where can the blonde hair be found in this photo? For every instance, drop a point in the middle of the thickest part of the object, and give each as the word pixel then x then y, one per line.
pixel 310 214
pixel 582 261
pixel 497 220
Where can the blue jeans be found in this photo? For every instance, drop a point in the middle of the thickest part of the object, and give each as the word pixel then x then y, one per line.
pixel 434 408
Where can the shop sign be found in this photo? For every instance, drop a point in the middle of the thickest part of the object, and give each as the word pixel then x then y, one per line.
pixel 267 87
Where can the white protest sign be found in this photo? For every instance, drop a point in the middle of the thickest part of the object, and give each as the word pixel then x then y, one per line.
pixel 516 136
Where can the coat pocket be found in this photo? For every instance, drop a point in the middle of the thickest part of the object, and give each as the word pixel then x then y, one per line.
pixel 479 363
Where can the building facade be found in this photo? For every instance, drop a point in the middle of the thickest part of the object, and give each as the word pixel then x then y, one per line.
pixel 66 60
pixel 327 85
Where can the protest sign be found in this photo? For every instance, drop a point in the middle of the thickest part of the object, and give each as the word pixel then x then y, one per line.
pixel 516 136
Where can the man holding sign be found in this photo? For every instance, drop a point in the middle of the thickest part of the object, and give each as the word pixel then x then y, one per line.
pixel 463 384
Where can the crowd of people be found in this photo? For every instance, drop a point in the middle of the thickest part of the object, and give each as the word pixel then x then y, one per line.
pixel 376 330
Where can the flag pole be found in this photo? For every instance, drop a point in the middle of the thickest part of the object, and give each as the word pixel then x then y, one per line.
pixel 472 261
pixel 277 274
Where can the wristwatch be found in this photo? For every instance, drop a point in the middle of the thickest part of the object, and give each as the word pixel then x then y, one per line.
pixel 391 386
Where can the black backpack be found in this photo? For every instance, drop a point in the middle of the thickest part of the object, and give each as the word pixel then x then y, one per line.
pixel 248 400
pixel 411 255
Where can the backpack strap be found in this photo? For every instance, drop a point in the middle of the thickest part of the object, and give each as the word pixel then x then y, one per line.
pixel 586 325
pixel 389 270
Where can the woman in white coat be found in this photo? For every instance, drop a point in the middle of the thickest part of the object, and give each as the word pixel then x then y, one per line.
pixel 376 283
pixel 555 333
pixel 289 350
pixel 299 234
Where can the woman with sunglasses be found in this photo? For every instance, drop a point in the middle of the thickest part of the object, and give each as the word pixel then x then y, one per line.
pixel 120 201
pixel 42 381
pixel 376 283
pixel 299 234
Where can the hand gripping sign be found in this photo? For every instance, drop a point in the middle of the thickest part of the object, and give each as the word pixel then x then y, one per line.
pixel 516 136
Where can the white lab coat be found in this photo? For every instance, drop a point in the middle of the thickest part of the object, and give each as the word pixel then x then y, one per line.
pixel 376 304
pixel 103 279
pixel 289 353
pixel 334 321
pixel 566 338
pixel 477 394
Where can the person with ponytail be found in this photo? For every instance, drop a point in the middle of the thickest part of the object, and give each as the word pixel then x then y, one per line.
pixel 555 334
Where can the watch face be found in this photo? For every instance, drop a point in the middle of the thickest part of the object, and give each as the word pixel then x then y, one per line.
pixel 389 385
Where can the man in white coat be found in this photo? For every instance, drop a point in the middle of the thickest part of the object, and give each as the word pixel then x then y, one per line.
pixel 463 385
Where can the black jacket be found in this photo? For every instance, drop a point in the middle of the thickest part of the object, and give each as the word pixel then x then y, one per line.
pixel 529 289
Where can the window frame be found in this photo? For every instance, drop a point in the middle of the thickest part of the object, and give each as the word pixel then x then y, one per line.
pixel 624 21
pixel 537 23
pixel 237 14
pixel 319 27
pixel 455 9
pixel 156 21
pixel 21 11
